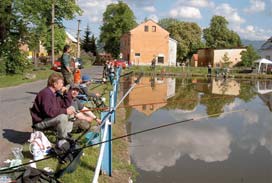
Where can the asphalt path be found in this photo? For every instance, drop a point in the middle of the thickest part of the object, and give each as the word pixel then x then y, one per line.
pixel 15 120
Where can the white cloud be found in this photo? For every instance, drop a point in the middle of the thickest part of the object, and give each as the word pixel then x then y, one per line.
pixel 154 17
pixel 229 13
pixel 93 9
pixel 150 9
pixel 196 3
pixel 185 12
pixel 255 6
pixel 251 32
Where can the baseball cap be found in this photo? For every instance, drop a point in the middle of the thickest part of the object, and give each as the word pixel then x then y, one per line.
pixel 75 86
pixel 86 77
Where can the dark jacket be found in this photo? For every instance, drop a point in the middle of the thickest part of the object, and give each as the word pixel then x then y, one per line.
pixel 49 105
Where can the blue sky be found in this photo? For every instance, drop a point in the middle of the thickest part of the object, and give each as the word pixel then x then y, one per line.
pixel 251 19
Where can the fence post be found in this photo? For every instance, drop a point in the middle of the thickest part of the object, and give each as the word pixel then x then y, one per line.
pixel 106 165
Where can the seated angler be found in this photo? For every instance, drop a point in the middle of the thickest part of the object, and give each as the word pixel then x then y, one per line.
pixel 51 110
pixel 83 116
pixel 84 89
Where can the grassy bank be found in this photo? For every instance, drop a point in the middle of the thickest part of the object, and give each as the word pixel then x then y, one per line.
pixel 194 72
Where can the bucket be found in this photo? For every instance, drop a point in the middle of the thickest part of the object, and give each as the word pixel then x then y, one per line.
pixel 92 138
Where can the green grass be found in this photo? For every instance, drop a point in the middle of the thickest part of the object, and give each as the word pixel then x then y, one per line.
pixel 17 79
pixel 193 71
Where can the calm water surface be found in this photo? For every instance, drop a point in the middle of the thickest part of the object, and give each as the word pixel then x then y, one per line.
pixel 232 146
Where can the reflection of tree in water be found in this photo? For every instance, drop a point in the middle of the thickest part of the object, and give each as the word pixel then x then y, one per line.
pixel 185 98
pixel 216 103
pixel 246 91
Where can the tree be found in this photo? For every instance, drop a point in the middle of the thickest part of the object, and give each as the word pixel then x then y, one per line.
pixel 117 20
pixel 167 22
pixel 86 44
pixel 28 22
pixel 249 56
pixel 188 36
pixel 93 46
pixel 219 36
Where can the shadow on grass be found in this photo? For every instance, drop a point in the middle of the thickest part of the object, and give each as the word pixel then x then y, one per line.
pixel 16 137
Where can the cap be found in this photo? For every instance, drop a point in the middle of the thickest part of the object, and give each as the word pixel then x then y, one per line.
pixel 75 86
pixel 86 77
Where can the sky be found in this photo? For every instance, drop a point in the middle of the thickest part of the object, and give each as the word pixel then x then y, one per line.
pixel 251 19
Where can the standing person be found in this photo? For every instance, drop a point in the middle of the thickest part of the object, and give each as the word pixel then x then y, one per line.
pixel 111 72
pixel 153 63
pixel 77 75
pixel 83 116
pixel 50 109
pixel 65 66
pixel 209 69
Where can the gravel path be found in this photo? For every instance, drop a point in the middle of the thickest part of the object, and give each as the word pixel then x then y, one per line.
pixel 15 120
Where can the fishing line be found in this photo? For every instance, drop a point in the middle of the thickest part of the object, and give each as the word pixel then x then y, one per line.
pixel 128 135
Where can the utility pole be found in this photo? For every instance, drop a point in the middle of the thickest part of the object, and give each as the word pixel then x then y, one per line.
pixel 78 40
pixel 53 33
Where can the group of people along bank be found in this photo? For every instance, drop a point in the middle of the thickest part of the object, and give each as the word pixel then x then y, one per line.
pixel 57 106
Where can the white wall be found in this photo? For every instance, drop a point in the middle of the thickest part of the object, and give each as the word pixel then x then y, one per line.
pixel 172 52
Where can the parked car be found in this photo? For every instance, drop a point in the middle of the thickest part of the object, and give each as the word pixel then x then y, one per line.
pixel 120 63
pixel 57 64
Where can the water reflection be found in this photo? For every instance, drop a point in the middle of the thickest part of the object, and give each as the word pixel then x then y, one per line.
pixel 151 94
pixel 233 147
pixel 264 90
pixel 169 145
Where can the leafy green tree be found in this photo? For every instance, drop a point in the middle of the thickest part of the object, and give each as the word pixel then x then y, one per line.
pixel 117 20
pixel 219 36
pixel 167 22
pixel 60 37
pixel 28 22
pixel 188 36
pixel 249 56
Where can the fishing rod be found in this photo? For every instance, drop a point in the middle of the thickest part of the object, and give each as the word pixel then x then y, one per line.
pixel 128 135
pixel 76 140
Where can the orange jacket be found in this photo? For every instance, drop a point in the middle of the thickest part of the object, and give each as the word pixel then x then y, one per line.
pixel 77 76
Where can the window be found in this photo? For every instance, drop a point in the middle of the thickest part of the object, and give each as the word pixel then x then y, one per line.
pixel 137 54
pixel 146 28
pixel 160 59
pixel 153 28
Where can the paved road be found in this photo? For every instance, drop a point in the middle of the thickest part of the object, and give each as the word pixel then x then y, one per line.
pixel 15 120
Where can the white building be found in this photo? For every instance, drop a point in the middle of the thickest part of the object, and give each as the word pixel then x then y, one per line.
pixel 266 49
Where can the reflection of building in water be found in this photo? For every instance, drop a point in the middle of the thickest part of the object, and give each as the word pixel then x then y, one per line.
pixel 171 87
pixel 264 89
pixel 151 94
pixel 225 87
